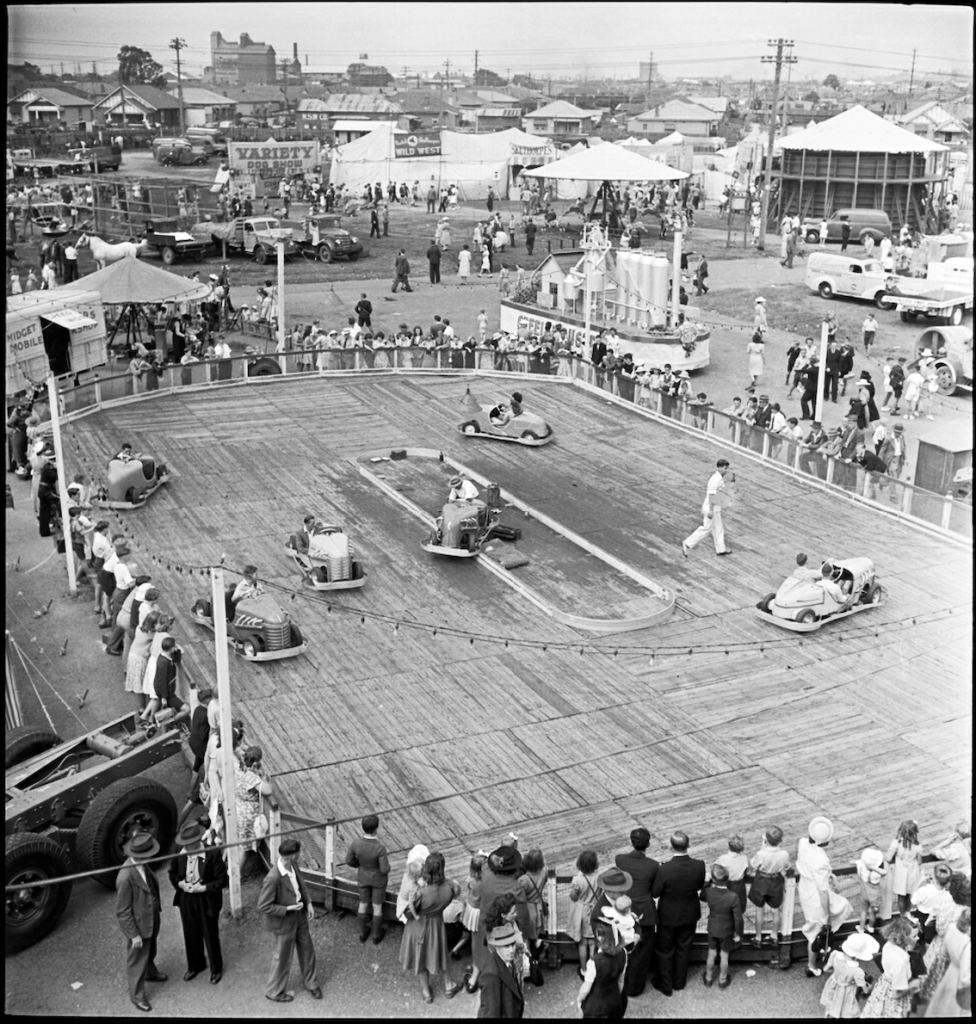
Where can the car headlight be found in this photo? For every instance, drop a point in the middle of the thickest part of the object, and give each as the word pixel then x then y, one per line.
pixel 353 239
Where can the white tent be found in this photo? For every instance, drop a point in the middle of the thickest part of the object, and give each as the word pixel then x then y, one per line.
pixel 857 130
pixel 607 163
pixel 472 162
pixel 674 139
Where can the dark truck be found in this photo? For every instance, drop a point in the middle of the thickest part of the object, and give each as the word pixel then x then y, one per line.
pixel 170 244
pixel 93 159
pixel 322 235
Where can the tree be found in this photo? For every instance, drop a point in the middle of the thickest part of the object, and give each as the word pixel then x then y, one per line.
pixel 137 67
pixel 832 82
pixel 486 77
pixel 812 97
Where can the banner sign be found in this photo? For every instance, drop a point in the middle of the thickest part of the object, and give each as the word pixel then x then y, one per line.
pixel 541 153
pixel 271 161
pixel 417 144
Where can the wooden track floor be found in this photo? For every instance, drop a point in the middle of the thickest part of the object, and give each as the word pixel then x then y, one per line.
pixel 455 744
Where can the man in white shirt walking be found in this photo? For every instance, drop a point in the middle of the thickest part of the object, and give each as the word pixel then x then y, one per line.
pixel 712 512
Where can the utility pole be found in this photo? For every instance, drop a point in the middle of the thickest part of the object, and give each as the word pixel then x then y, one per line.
pixel 178 44
pixel 786 98
pixel 476 68
pixel 650 74
pixel 911 80
pixel 768 181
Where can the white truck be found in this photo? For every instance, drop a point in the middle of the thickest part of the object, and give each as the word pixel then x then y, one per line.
pixel 256 236
pixel 945 293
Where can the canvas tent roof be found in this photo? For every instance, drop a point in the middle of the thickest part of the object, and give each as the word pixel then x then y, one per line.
pixel 607 163
pixel 857 130
pixel 131 280
pixel 674 139
pixel 472 162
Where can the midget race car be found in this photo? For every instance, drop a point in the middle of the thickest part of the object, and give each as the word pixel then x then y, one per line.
pixel 462 528
pixel 526 428
pixel 130 483
pixel 329 563
pixel 257 628
pixel 804 605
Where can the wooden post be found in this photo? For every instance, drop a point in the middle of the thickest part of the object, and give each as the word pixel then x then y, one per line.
pixel 329 866
pixel 280 246
pixel 822 376
pixel 947 511
pixel 227 759
pixel 857 170
pixel 69 554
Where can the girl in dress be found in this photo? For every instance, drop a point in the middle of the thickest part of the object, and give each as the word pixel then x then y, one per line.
pixel 149 678
pixel 531 896
pixel 905 856
pixel 584 892
pixel 135 666
pixel 755 349
pixel 839 997
pixel 472 904
pixel 423 949
pixel 892 994
pixel 485 261
pixel 411 880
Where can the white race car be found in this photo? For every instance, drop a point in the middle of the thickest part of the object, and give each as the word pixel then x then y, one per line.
pixel 328 562
pixel 804 605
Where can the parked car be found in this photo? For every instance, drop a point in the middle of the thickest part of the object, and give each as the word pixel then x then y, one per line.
pixel 837 273
pixel 178 152
pixel 864 223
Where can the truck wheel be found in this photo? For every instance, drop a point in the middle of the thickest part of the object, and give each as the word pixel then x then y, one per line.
pixel 169 255
pixel 826 291
pixel 260 254
pixel 33 913
pixel 25 742
pixel 264 367
pixel 955 317
pixel 353 256
pixel 325 253
pixel 882 303
pixel 123 808
pixel 945 375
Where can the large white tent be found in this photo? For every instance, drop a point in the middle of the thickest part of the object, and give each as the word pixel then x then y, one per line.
pixel 607 163
pixel 472 162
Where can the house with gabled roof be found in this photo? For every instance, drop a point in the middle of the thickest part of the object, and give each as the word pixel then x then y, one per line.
pixel 934 121
pixel 137 105
pixel 43 105
pixel 676 115
pixel 561 118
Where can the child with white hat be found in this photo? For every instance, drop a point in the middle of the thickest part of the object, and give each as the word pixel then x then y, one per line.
pixel 871 870
pixel 839 996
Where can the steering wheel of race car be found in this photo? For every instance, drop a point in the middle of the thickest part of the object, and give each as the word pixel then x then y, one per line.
pixel 322 529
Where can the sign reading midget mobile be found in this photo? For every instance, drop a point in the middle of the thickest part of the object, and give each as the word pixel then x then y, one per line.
pixel 271 161
pixel 417 144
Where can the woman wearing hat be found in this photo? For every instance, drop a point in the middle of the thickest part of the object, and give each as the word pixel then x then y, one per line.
pixel 839 997
pixel 759 324
pixel 821 906
pixel 498 878
pixel 249 787
pixel 424 948
pixel 601 993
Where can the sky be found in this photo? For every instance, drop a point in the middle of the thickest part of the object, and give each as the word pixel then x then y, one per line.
pixel 561 40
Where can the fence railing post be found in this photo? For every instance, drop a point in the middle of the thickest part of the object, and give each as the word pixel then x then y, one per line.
pixel 98 390
pixel 947 511
pixel 830 469
pixel 329 866
pixel 552 924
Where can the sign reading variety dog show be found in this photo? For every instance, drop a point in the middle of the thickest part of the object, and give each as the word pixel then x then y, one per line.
pixel 417 144
pixel 271 161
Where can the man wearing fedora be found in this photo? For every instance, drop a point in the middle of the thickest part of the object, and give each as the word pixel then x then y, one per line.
pixel 643 870
pixel 502 993
pixel 677 886
pixel 199 876
pixel 287 910
pixel 137 910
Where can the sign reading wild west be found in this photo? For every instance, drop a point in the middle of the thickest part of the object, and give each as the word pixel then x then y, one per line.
pixel 417 144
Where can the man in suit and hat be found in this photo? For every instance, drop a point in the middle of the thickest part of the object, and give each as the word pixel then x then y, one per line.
pixel 678 884
pixel 287 910
pixel 199 877
pixel 137 911
pixel 499 877
pixel 643 870
pixel 501 985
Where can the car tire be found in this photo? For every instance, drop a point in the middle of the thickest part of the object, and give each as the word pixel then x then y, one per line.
pixel 204 609
pixel 122 808
pixel 169 255
pixel 325 254
pixel 873 594
pixel 945 375
pixel 529 435
pixel 471 427
pixel 826 292
pixel 807 615
pixel 813 237
pixel 252 647
pixel 260 255
pixel 353 256
pixel 25 742
pixel 764 604
pixel 296 636
pixel 34 913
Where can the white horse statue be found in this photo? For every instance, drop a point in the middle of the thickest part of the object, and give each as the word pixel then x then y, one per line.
pixel 105 253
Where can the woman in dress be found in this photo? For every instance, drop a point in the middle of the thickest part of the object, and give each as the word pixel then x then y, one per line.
pixel 424 949
pixel 755 349
pixel 249 787
pixel 839 997
pixel 163 624
pixel 498 878
pixel 821 906
pixel 955 988
pixel 135 666
pixel 905 857
pixel 601 994
pixel 936 957
pixel 531 914
pixel 891 996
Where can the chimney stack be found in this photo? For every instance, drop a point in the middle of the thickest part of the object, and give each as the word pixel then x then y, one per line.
pixel 294 51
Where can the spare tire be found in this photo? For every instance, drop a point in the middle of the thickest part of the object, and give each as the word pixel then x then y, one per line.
pixel 33 913
pixel 266 366
pixel 25 742
pixel 123 808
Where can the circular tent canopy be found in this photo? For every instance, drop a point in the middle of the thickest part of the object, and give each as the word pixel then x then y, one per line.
pixel 132 281
pixel 607 163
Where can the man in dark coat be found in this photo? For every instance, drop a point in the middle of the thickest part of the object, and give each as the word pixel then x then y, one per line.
pixel 364 311
pixel 678 884
pixel 530 233
pixel 165 682
pixel 434 261
pixel 831 371
pixel 137 911
pixel 811 382
pixel 402 272
pixel 501 986
pixel 199 877
pixel 643 870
